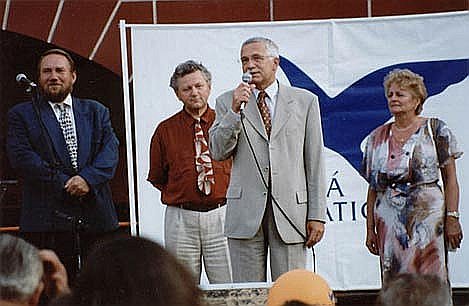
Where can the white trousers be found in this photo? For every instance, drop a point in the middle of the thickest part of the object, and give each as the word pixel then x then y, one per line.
pixel 194 236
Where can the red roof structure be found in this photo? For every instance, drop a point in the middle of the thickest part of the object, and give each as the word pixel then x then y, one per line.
pixel 90 27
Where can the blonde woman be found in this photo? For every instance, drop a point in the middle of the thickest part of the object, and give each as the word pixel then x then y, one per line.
pixel 411 221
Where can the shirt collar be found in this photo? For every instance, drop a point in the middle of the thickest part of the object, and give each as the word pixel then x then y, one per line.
pixel 68 101
pixel 206 116
pixel 271 91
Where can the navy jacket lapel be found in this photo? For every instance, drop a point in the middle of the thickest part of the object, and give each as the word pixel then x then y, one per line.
pixel 82 127
pixel 55 132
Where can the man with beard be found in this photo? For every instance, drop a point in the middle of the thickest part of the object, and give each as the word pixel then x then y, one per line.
pixel 65 151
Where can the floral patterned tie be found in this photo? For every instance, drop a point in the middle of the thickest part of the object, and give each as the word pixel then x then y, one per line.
pixel 265 112
pixel 203 162
pixel 65 121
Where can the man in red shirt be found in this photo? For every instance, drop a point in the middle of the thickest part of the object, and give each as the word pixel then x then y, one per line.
pixel 192 185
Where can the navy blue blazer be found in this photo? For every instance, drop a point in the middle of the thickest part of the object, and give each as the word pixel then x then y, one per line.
pixel 46 206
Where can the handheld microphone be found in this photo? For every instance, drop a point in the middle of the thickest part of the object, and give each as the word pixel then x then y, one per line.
pixel 21 78
pixel 246 78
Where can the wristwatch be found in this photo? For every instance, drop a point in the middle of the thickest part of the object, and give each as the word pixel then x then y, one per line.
pixel 454 214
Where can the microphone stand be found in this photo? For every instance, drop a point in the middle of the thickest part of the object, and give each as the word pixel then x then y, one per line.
pixel 36 100
pixel 77 224
pixel 3 190
pixel 4 186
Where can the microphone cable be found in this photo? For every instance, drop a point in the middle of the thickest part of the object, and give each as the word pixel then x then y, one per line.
pixel 274 200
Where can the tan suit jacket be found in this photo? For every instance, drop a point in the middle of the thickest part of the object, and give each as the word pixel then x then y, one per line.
pixel 294 156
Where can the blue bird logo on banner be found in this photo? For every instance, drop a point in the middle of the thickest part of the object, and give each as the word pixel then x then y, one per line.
pixel 350 116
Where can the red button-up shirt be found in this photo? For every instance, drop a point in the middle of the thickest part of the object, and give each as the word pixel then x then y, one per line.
pixel 172 162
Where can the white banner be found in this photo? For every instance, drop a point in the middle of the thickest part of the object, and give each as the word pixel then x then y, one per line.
pixel 343 62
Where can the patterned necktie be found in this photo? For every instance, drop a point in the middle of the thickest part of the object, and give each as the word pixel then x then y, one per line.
pixel 68 131
pixel 265 112
pixel 203 162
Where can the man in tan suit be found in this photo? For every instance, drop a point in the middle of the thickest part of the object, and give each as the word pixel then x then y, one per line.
pixel 276 200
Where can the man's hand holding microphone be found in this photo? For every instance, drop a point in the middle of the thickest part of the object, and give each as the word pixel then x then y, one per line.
pixel 242 93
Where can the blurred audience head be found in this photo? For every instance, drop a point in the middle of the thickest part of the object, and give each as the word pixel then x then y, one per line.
pixel 133 271
pixel 21 270
pixel 416 290
pixel 300 288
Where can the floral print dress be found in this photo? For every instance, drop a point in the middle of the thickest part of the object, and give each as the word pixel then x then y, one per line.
pixel 409 208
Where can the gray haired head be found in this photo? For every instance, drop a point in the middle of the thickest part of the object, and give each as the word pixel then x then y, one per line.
pixel 21 269
pixel 186 68
pixel 272 48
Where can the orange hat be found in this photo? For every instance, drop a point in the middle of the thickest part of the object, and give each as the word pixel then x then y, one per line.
pixel 300 285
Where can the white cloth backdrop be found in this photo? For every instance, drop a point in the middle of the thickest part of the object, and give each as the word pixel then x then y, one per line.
pixel 335 54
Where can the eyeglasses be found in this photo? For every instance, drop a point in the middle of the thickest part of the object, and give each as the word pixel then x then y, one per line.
pixel 255 58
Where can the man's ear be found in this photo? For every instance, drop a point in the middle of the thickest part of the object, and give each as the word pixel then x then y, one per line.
pixel 276 63
pixel 74 76
pixel 34 299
